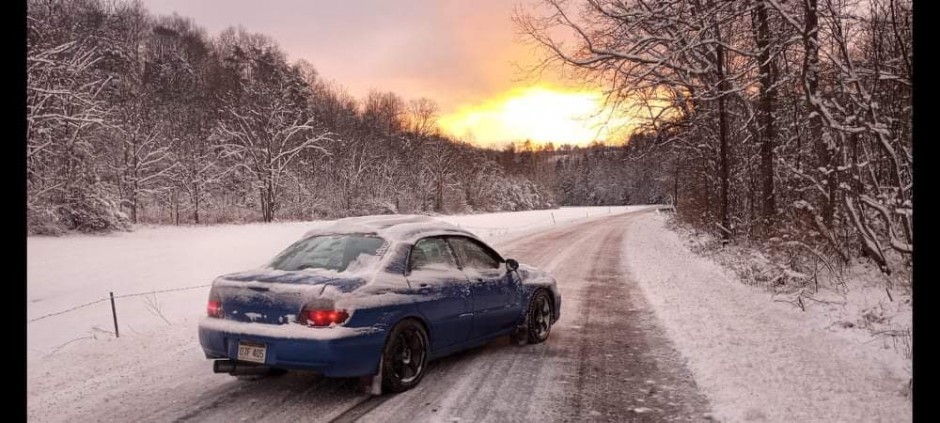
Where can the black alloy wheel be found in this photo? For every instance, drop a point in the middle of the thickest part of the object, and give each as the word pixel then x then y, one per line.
pixel 405 356
pixel 539 319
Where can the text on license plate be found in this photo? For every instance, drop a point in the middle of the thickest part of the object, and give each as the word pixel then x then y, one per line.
pixel 250 351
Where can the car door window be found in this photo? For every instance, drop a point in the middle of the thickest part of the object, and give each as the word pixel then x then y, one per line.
pixel 474 255
pixel 431 254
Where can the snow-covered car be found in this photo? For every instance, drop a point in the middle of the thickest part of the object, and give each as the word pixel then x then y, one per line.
pixel 374 296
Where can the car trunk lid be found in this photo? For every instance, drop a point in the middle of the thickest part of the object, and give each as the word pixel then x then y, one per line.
pixel 276 297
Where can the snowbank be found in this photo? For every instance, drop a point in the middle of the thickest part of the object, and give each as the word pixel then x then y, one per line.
pixel 756 359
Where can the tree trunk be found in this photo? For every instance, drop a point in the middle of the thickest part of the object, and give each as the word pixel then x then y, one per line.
pixel 176 207
pixel 195 205
pixel 264 205
pixel 811 88
pixel 675 189
pixel 706 220
pixel 134 188
pixel 723 172
pixel 767 105
pixel 272 203
pixel 439 198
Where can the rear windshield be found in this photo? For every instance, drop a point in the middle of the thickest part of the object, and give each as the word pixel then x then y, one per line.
pixel 334 252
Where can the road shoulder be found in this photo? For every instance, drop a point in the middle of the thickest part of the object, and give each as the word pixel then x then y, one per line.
pixel 756 360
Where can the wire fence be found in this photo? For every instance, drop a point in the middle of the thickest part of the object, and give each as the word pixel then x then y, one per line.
pixel 68 310
pixel 101 300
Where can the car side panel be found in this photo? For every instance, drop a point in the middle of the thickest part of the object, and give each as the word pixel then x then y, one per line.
pixel 443 299
pixel 496 301
pixel 473 343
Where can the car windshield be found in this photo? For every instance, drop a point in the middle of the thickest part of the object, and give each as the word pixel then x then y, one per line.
pixel 333 252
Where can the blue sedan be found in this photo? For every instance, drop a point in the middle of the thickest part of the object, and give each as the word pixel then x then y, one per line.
pixel 374 297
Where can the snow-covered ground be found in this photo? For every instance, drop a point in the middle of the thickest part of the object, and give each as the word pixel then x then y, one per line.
pixel 761 360
pixel 755 359
pixel 76 368
pixel 70 271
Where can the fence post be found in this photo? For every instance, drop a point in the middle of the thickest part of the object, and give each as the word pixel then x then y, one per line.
pixel 553 218
pixel 114 314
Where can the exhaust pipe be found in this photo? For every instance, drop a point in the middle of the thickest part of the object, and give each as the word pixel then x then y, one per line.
pixel 236 368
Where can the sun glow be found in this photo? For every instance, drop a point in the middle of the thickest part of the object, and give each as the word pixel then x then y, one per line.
pixel 537 113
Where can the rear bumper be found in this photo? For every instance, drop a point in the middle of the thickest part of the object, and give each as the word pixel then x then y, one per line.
pixel 348 353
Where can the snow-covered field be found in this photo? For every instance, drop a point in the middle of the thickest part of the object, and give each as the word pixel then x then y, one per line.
pixel 760 360
pixel 70 271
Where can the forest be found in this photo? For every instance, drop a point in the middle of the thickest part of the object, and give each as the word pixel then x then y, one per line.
pixel 785 124
pixel 779 123
pixel 134 118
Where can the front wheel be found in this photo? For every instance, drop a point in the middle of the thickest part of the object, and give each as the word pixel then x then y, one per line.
pixel 405 356
pixel 539 318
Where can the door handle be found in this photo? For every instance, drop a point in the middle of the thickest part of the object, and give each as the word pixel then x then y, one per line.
pixel 423 285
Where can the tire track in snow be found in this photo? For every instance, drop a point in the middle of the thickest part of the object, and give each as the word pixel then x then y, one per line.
pixel 628 369
pixel 606 360
pixel 361 409
pixel 494 382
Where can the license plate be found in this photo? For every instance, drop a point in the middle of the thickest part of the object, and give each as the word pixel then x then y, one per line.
pixel 253 352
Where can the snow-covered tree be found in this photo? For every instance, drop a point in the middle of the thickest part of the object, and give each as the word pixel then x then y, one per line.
pixel 265 124
pixel 782 118
pixel 66 114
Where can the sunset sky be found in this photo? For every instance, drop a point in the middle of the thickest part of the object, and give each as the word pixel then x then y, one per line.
pixel 465 55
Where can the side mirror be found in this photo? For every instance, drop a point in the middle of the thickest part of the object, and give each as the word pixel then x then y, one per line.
pixel 512 265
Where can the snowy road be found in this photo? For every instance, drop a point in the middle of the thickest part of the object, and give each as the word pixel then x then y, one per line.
pixel 606 360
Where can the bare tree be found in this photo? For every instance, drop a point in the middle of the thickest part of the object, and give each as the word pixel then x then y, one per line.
pixel 384 110
pixel 182 68
pixel 441 168
pixel 66 112
pixel 264 127
pixel 767 51
pixel 149 114
pixel 789 116
pixel 422 117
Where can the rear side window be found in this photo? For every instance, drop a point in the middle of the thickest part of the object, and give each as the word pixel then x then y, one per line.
pixel 473 255
pixel 431 253
pixel 334 252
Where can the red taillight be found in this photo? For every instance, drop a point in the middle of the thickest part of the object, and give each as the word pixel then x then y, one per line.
pixel 324 317
pixel 214 309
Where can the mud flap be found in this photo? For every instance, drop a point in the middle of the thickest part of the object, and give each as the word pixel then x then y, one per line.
pixel 372 385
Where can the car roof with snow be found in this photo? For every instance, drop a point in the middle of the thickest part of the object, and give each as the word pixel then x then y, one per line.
pixel 393 228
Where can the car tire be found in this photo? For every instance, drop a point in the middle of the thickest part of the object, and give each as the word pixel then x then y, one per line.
pixel 405 356
pixel 539 317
